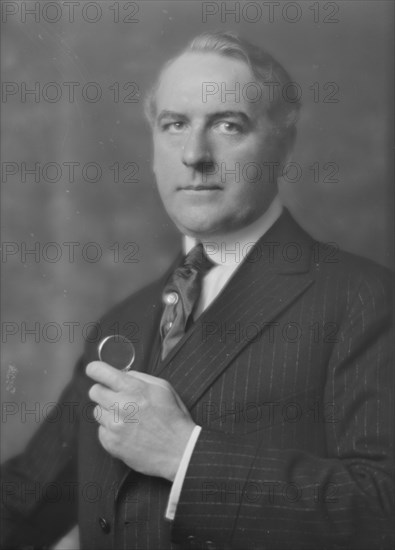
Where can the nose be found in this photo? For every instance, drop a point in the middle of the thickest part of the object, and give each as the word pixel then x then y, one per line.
pixel 196 149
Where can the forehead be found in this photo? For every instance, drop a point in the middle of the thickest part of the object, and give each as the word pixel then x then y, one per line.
pixel 205 81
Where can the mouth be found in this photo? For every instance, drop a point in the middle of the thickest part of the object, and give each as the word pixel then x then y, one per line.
pixel 200 188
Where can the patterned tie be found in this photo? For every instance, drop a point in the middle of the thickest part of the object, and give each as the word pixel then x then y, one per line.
pixel 181 295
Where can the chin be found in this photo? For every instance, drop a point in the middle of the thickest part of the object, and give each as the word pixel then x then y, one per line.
pixel 204 230
pixel 194 225
pixel 195 230
pixel 204 224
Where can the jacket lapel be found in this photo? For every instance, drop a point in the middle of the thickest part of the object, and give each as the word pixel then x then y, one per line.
pixel 268 281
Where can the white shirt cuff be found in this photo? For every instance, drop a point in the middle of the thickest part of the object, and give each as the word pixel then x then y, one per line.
pixel 180 475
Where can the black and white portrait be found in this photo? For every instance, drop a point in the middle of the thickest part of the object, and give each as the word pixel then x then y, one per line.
pixel 197 271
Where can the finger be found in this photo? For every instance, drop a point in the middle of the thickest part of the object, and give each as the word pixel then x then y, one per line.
pixel 99 414
pixel 102 395
pixel 108 419
pixel 105 375
pixel 154 380
pixel 149 379
pixel 104 438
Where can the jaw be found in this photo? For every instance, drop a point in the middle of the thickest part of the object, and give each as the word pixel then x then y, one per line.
pixel 211 222
pixel 216 211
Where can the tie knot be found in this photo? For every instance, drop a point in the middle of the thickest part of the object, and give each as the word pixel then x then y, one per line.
pixel 198 260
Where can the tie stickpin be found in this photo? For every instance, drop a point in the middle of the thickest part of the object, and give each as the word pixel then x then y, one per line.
pixel 171 298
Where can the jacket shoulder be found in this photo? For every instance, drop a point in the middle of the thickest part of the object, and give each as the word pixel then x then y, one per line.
pixel 331 261
pixel 325 259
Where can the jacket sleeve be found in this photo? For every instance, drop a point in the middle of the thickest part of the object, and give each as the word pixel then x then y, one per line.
pixel 40 486
pixel 242 494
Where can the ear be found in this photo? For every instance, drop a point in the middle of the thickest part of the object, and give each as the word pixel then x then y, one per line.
pixel 287 160
pixel 288 145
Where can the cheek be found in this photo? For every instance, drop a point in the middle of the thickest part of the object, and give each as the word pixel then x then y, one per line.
pixel 165 159
pixel 246 195
pixel 237 162
pixel 161 166
pixel 250 194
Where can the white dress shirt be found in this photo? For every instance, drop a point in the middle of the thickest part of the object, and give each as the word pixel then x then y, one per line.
pixel 227 254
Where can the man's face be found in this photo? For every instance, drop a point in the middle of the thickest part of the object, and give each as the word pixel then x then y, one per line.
pixel 210 149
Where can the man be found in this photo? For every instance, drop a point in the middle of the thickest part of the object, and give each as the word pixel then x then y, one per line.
pixel 257 412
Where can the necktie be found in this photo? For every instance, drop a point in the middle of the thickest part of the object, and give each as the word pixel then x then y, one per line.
pixel 181 295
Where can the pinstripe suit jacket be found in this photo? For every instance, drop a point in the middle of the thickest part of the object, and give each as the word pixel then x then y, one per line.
pixel 289 374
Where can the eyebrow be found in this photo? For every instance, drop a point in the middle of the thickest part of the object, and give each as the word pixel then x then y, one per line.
pixel 170 114
pixel 213 116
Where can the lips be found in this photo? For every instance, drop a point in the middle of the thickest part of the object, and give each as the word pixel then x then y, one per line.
pixel 200 188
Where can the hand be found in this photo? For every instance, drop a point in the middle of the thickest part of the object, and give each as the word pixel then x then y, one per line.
pixel 142 419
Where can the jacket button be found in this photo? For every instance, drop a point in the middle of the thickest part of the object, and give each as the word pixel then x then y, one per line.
pixel 104 524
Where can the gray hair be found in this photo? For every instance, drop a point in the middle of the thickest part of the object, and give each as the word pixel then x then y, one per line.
pixel 280 109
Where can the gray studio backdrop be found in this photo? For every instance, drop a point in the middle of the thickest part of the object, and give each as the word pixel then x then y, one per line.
pixel 77 185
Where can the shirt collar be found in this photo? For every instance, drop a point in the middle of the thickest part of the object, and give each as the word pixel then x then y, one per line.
pixel 233 247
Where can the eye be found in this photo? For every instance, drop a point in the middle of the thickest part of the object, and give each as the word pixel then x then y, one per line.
pixel 174 127
pixel 229 128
